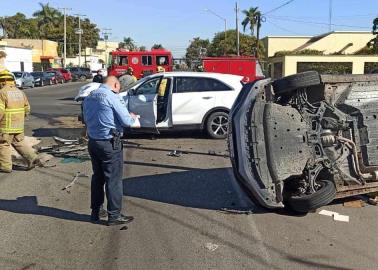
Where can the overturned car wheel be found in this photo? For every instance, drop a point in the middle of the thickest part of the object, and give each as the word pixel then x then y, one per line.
pixel 296 81
pixel 305 203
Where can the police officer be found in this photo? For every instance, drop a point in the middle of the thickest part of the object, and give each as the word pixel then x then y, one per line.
pixel 99 77
pixel 105 117
pixel 13 107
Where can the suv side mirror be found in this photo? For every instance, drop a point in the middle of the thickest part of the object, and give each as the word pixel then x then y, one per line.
pixel 132 92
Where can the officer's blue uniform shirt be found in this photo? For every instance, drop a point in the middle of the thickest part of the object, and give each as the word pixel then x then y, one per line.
pixel 103 111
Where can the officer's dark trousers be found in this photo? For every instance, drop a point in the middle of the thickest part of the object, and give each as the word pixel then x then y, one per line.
pixel 107 170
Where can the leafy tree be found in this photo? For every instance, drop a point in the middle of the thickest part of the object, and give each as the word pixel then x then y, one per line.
pixel 18 26
pixel 227 46
pixel 251 19
pixel 48 18
pixel 128 43
pixel 157 46
pixel 142 48
pixel 373 44
pixel 196 49
pixel 301 52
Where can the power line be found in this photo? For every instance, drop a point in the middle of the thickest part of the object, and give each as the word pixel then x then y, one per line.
pixel 318 23
pixel 284 29
pixel 281 6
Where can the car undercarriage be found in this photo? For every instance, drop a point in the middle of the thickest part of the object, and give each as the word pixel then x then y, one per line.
pixel 306 139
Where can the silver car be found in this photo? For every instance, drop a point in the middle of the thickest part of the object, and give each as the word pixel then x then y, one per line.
pixel 24 79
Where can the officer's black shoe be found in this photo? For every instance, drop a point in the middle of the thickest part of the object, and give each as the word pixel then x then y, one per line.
pixel 120 220
pixel 95 217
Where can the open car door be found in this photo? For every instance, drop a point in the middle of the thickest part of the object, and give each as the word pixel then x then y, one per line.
pixel 153 108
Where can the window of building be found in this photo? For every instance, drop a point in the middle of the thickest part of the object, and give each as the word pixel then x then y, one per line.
pixel 370 67
pixel 146 60
pixel 277 70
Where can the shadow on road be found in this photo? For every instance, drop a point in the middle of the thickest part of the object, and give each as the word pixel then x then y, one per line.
pixel 67 133
pixel 29 205
pixel 198 188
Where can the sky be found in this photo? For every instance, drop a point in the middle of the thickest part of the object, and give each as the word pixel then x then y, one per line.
pixel 173 23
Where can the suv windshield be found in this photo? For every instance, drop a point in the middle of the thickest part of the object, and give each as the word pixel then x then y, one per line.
pixel 17 74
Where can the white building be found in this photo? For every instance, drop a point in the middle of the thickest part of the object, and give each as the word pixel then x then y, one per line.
pixel 18 59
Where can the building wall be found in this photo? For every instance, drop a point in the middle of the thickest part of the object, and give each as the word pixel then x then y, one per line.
pixel 16 56
pixel 337 41
pixel 40 48
pixel 282 43
pixel 289 63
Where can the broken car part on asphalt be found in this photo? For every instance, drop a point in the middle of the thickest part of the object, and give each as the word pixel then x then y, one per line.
pixel 75 178
pixel 306 139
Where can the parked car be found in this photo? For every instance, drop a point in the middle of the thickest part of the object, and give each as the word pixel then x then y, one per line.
pixel 304 140
pixel 81 74
pixel 192 100
pixel 56 76
pixel 41 78
pixel 23 79
pixel 66 73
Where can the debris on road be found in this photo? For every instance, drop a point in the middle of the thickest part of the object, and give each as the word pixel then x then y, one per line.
pixel 124 228
pixel 175 153
pixel 211 246
pixel 373 201
pixel 76 177
pixel 236 211
pixel 342 218
pixel 354 204
pixel 65 141
pixel 336 216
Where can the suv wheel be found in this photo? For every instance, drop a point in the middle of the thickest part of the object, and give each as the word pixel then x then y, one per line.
pixel 217 125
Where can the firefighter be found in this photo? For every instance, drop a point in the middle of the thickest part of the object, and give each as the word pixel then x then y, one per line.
pixel 127 79
pixel 160 69
pixel 13 107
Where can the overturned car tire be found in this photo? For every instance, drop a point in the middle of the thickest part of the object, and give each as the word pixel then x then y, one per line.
pixel 294 82
pixel 321 197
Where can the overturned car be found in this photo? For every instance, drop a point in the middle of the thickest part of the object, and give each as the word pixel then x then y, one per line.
pixel 306 139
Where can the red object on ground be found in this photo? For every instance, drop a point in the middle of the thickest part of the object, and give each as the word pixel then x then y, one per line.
pixel 66 74
pixel 143 62
pixel 246 66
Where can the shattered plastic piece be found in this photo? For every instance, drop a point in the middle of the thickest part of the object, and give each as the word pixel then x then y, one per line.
pixel 327 213
pixel 65 141
pixel 175 153
pixel 124 228
pixel 354 204
pixel 342 218
pixel 373 201
pixel 77 175
pixel 211 246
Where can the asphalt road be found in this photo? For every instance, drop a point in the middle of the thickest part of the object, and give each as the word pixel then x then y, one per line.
pixel 175 202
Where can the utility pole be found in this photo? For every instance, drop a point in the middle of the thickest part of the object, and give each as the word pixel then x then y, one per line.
pixel 330 16
pixel 79 31
pixel 106 32
pixel 258 35
pixel 65 35
pixel 237 29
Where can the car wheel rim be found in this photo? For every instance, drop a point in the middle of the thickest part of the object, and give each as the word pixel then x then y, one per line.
pixel 219 125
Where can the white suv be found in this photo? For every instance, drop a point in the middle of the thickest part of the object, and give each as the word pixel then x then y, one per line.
pixel 191 100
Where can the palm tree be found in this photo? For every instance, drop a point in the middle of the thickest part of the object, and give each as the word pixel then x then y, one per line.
pixel 251 19
pixel 157 46
pixel 48 18
pixel 128 44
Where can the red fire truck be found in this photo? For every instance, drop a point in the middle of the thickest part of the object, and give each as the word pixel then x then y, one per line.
pixel 246 66
pixel 143 62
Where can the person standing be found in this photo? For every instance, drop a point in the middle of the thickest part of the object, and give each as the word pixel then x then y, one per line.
pixel 128 78
pixel 105 116
pixel 14 106
pixel 99 77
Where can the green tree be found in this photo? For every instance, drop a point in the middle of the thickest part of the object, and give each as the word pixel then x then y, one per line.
pixel 227 46
pixel 128 43
pixel 48 18
pixel 142 48
pixel 373 44
pixel 251 19
pixel 18 26
pixel 197 48
pixel 157 46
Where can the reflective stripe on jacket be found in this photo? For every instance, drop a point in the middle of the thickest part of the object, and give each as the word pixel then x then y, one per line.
pixel 13 107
